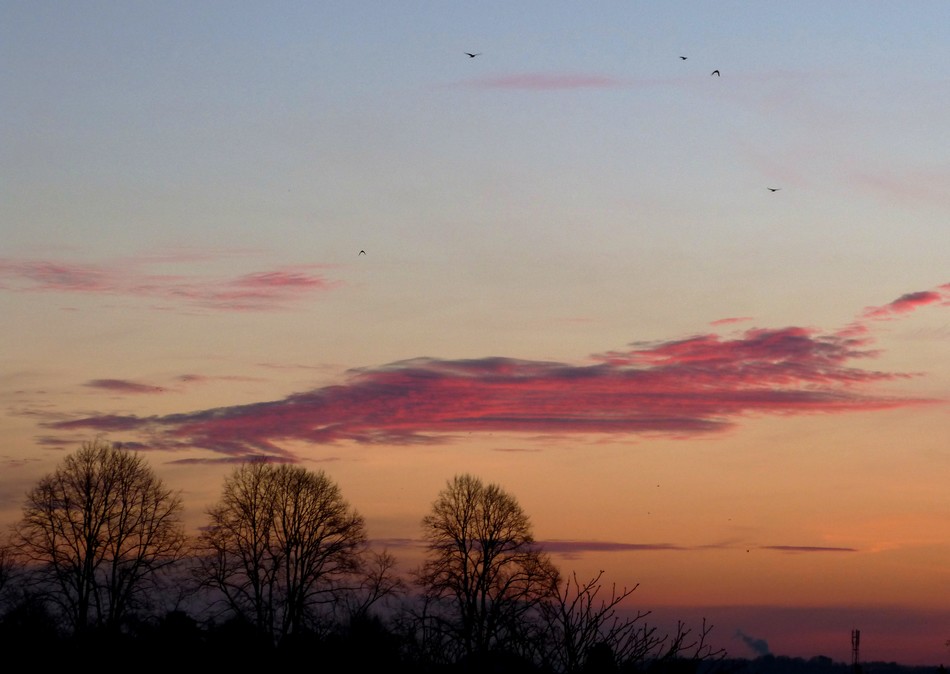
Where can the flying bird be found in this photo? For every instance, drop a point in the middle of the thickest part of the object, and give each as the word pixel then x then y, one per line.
pixel 471 55
pixel 362 252
pixel 682 58
pixel 716 73
pixel 773 189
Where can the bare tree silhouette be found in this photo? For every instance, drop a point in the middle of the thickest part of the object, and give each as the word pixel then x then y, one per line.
pixel 485 577
pixel 7 566
pixel 581 626
pixel 281 543
pixel 96 532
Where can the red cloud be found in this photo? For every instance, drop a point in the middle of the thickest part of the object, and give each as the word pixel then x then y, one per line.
pixel 684 387
pixel 259 291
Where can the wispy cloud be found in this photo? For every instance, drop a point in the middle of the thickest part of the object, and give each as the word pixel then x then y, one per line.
pixel 516 450
pixel 124 386
pixel 684 387
pixel 177 384
pixel 397 543
pixel 910 187
pixel 236 460
pixel 560 81
pixel 909 302
pixel 806 548
pixel 902 306
pixel 730 321
pixel 548 81
pixel 574 548
pixel 255 291
pixel 204 378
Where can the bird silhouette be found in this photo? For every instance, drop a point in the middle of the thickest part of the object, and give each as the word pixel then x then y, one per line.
pixel 362 252
pixel 773 189
pixel 716 73
pixel 471 55
pixel 682 58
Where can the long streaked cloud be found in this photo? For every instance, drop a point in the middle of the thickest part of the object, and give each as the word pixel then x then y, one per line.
pixel 806 548
pixel 125 386
pixel 130 387
pixel 561 81
pixel 572 548
pixel 701 384
pixel 254 291
pixel 548 81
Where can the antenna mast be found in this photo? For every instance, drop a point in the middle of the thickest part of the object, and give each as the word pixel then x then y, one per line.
pixel 855 646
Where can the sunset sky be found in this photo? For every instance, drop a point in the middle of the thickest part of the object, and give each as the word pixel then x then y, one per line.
pixel 576 282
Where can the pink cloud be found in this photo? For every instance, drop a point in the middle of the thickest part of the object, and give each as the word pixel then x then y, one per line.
pixel 58 276
pixel 908 302
pixel 257 291
pixel 124 386
pixel 730 321
pixel 678 388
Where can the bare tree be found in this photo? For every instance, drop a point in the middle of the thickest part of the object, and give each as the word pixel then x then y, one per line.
pixel 281 542
pixel 97 532
pixel 580 623
pixel 7 566
pixel 683 645
pixel 485 577
pixel 8 573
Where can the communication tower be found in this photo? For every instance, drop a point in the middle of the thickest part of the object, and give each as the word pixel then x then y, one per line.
pixel 855 654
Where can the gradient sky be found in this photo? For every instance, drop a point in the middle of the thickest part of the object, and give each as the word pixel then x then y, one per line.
pixel 576 282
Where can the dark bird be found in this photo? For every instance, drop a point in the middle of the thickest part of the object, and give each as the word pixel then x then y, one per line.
pixel 773 189
pixel 682 58
pixel 471 55
pixel 362 252
pixel 716 73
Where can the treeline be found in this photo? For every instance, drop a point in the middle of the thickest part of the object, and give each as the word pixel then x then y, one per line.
pixel 100 563
pixel 819 664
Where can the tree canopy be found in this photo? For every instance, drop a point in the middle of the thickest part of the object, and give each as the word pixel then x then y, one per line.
pixel 98 530
pixel 484 573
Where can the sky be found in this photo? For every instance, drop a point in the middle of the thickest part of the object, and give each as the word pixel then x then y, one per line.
pixel 324 234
